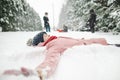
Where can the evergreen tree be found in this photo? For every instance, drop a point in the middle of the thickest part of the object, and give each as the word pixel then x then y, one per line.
pixel 108 14
pixel 17 15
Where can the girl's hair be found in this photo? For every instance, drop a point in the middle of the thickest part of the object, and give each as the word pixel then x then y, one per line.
pixel 46 13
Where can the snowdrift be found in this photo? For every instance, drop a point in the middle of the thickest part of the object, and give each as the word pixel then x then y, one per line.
pixel 91 62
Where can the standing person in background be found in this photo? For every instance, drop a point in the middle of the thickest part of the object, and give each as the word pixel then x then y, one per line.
pixel 92 20
pixel 46 22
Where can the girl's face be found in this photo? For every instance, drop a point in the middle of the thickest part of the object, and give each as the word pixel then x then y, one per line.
pixel 46 37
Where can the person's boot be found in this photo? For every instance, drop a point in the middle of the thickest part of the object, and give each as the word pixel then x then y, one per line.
pixel 117 45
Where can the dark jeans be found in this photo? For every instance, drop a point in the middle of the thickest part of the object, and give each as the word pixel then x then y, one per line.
pixel 92 27
pixel 47 28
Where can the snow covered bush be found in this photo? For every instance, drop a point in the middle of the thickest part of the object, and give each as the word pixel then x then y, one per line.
pixel 17 15
pixel 77 12
pixel 117 29
pixel 104 29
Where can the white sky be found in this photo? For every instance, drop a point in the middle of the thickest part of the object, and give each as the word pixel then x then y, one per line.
pixel 53 7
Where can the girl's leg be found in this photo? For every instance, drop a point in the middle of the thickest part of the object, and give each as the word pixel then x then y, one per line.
pixel 117 45
pixel 96 41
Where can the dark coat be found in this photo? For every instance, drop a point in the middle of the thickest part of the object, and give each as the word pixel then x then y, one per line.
pixel 46 21
pixel 92 18
pixel 92 21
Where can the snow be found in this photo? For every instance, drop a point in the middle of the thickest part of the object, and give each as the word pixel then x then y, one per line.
pixel 91 62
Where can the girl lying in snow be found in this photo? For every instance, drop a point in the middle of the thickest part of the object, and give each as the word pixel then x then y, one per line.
pixel 55 46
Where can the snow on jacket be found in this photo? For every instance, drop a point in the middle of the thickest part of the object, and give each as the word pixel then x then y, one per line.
pixel 56 47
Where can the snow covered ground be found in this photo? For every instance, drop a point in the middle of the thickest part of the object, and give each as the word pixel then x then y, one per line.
pixel 91 62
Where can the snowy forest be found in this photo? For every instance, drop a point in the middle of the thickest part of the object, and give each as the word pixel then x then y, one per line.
pixel 75 14
pixel 17 15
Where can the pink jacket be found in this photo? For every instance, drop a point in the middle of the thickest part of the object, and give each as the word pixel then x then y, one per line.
pixel 56 47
